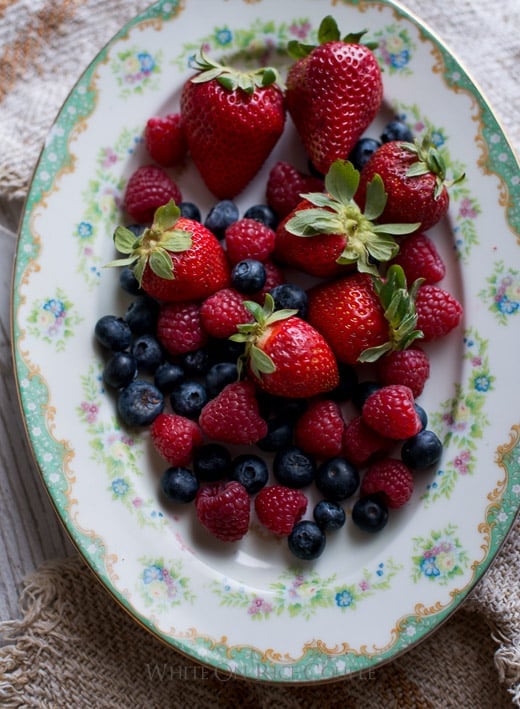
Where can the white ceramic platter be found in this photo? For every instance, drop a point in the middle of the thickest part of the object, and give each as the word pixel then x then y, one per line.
pixel 248 608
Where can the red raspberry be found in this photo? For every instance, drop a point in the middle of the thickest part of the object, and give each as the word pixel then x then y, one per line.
pixel 233 415
pixel 390 411
pixel 361 443
pixel 179 328
pixel 275 277
pixel 410 367
pixel 278 508
pixel 164 139
pixel 224 510
pixel 419 258
pixel 223 311
pixel 319 430
pixel 175 437
pixel 285 185
pixel 438 312
pixel 148 188
pixel 392 479
pixel 248 238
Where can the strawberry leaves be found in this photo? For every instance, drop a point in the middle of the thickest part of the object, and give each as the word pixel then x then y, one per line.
pixel 328 31
pixel 429 161
pixel 229 78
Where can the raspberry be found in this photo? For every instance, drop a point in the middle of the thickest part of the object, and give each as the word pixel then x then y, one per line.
pixel 410 367
pixel 285 185
pixel 390 478
pixel 223 311
pixel 179 328
pixel 275 277
pixel 438 312
pixel 224 510
pixel 175 438
pixel 249 238
pixel 148 188
pixel 278 508
pixel 390 411
pixel 233 415
pixel 361 443
pixel 319 431
pixel 419 258
pixel 164 139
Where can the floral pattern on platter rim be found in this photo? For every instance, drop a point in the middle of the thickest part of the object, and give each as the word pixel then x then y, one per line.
pixel 81 452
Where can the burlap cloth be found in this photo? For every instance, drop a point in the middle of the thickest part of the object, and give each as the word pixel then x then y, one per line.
pixel 72 646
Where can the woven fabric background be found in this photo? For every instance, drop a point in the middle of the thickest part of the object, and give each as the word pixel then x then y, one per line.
pixel 73 645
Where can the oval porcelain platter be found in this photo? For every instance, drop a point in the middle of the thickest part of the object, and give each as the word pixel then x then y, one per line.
pixel 249 608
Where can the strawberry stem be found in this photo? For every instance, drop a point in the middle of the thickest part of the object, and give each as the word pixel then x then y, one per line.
pixel 229 78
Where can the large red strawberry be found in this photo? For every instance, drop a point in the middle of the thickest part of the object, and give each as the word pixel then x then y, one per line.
pixel 362 316
pixel 333 93
pixel 231 120
pixel 414 175
pixel 175 259
pixel 286 356
pixel 327 233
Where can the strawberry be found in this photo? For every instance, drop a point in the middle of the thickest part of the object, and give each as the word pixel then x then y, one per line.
pixel 390 411
pixel 419 258
pixel 285 185
pixel 232 120
pixel 179 328
pixel 285 355
pixel 333 92
pixel 410 367
pixel 222 312
pixel 164 139
pixel 148 188
pixel 175 259
pixel 361 444
pixel 224 510
pixel 319 430
pixel 414 175
pixel 363 317
pixel 248 238
pixel 391 479
pixel 278 508
pixel 328 234
pixel 438 312
pixel 233 415
pixel 175 437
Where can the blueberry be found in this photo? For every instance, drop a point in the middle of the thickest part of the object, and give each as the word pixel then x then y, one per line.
pixel 248 276
pixel 363 151
pixel 329 516
pixel 422 415
pixel 120 370
pixel 211 462
pixel 113 333
pixel 281 407
pixel 141 315
pixel 188 398
pixel 292 297
pixel 348 383
pixel 262 213
pixel 190 211
pixel 422 450
pixel 306 540
pixel 370 513
pixel 337 479
pixel 292 467
pixel 313 171
pixel 167 376
pixel 140 403
pixel 219 376
pixel 197 362
pixel 396 130
pixel 279 434
pixel 224 350
pixel 250 471
pixel 179 485
pixel 128 282
pixel 220 216
pixel 148 353
pixel 362 391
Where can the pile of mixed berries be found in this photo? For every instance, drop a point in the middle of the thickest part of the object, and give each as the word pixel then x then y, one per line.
pixel 259 389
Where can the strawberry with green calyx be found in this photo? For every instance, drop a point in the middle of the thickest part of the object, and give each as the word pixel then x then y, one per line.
pixel 232 120
pixel 362 317
pixel 285 355
pixel 328 234
pixel 175 259
pixel 414 175
pixel 333 92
